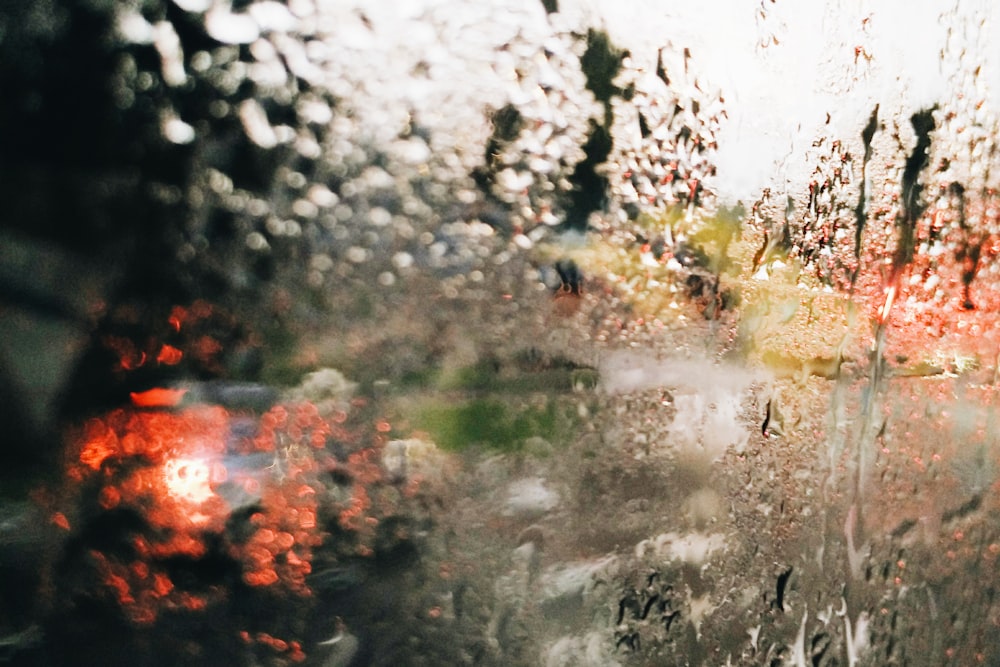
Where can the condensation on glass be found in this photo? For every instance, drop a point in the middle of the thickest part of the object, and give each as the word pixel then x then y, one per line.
pixel 517 333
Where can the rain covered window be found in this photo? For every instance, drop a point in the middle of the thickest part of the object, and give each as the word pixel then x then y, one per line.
pixel 560 333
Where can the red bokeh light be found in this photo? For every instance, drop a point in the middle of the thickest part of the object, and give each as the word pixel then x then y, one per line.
pixel 177 467
pixel 157 397
pixel 169 355
pixel 184 488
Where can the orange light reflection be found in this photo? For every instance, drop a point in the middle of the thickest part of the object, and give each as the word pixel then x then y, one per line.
pixel 169 355
pixel 169 465
pixel 158 397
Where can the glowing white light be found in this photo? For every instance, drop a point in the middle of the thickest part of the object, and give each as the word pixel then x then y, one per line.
pixel 168 45
pixel 176 131
pixel 230 28
pixel 271 15
pixel 188 479
pixel 256 124
pixel 132 27
pixel 194 6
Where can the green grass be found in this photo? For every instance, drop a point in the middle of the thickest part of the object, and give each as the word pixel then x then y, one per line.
pixel 490 422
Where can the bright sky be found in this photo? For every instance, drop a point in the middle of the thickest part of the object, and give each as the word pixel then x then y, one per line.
pixel 782 65
pixel 778 93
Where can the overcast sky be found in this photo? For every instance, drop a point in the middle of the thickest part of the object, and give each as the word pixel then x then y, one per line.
pixel 779 92
pixel 781 65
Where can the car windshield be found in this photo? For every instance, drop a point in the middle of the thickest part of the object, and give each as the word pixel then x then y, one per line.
pixel 507 333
